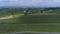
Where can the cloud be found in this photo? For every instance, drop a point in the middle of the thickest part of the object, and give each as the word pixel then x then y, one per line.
pixel 29 2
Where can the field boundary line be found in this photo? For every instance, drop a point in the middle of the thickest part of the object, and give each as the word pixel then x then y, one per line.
pixel 29 24
pixel 34 32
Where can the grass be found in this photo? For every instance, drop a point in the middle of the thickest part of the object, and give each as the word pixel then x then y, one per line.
pixel 33 19
pixel 38 19
pixel 48 23
pixel 20 28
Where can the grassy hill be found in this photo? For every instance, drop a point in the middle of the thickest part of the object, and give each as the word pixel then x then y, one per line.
pixel 40 22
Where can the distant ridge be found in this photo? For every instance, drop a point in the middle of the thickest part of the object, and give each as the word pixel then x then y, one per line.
pixel 22 6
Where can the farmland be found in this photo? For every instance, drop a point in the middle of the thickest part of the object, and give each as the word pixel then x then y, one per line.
pixel 38 22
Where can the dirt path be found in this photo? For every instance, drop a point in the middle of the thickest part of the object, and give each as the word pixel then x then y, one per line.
pixel 7 17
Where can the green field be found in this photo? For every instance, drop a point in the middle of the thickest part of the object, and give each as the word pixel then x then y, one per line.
pixel 36 28
pixel 39 23
pixel 34 22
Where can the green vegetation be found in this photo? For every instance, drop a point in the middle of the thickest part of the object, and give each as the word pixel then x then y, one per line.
pixel 33 22
pixel 38 28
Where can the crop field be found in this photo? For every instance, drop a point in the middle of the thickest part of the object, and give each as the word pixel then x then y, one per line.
pixel 38 22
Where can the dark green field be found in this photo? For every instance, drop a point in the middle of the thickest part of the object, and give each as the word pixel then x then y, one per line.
pixel 36 28
pixel 39 19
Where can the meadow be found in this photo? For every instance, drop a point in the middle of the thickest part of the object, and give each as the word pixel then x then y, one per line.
pixel 38 22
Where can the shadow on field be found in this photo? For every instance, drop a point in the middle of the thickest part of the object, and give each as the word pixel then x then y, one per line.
pixel 37 19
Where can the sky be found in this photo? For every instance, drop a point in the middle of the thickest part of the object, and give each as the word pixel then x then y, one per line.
pixel 35 3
